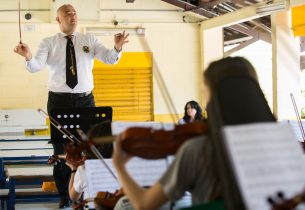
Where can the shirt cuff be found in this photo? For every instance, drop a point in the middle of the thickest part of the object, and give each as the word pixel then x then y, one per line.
pixel 115 54
pixel 28 62
pixel 118 51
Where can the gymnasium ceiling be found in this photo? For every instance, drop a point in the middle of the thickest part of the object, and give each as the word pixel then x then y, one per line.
pixel 244 32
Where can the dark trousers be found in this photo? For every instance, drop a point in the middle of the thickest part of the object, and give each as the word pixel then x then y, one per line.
pixel 61 172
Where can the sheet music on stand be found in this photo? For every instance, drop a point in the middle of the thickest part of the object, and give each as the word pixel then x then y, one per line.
pixel 145 172
pixel 296 128
pixel 267 159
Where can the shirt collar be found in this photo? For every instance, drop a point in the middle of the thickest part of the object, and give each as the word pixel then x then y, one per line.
pixel 64 35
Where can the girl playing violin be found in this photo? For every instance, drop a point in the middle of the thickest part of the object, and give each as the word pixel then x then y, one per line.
pixel 78 179
pixel 193 167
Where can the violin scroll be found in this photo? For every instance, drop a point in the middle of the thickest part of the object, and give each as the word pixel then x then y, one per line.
pixel 54 158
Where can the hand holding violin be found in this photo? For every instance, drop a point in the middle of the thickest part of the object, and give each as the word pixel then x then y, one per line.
pixel 119 156
pixel 282 203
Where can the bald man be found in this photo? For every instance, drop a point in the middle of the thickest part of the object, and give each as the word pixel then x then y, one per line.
pixel 69 56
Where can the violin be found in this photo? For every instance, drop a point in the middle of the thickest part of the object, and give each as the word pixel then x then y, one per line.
pixel 74 154
pixel 54 158
pixel 146 143
pixel 155 144
pixel 108 200
pixel 103 200
pixel 281 203
pixel 149 143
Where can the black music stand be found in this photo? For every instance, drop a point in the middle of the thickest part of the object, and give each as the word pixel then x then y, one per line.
pixel 79 118
pixel 236 101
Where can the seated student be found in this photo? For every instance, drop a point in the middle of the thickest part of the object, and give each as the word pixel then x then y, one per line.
pixel 78 179
pixel 192 112
pixel 193 168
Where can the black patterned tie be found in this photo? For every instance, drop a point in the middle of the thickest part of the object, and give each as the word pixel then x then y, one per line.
pixel 71 70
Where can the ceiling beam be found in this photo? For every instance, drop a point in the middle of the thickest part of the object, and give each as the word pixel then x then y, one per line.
pixel 228 19
pixel 239 47
pixel 264 36
pixel 238 16
pixel 244 30
pixel 235 39
pixel 211 4
pixel 190 7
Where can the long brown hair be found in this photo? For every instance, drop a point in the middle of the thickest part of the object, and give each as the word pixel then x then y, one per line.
pixel 228 67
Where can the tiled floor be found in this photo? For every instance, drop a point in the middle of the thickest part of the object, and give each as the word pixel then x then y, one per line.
pixel 38 206
pixel 185 202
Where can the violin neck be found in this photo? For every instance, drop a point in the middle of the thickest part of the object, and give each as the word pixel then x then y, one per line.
pixel 103 139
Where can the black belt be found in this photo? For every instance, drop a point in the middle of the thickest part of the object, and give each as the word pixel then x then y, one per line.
pixel 72 94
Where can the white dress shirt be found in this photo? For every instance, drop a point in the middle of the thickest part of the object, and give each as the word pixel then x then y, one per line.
pixel 52 52
pixel 80 184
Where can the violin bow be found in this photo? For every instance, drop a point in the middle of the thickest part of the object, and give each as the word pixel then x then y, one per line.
pixel 96 152
pixel 72 138
pixel 20 40
pixel 298 116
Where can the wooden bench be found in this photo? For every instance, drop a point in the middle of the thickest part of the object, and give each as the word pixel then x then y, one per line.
pixel 28 179
pixel 23 163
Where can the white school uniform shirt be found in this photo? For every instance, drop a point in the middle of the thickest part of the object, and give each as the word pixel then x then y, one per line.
pixel 52 53
pixel 80 184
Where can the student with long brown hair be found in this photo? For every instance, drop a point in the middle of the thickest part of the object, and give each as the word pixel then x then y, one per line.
pixel 193 167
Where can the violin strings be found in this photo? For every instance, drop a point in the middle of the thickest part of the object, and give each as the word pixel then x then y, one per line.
pixel 298 116
pixel 70 136
pixel 96 152
pixel 83 136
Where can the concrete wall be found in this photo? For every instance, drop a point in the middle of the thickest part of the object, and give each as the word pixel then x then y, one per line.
pixel 174 43
pixel 286 65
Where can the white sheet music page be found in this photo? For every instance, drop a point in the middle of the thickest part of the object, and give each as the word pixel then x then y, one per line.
pixel 267 159
pixel 145 172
